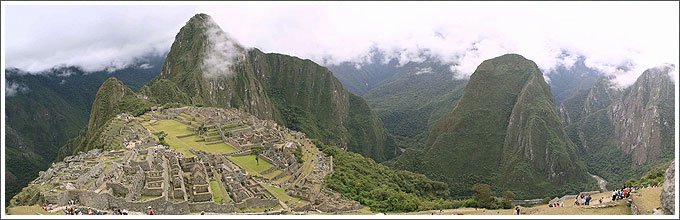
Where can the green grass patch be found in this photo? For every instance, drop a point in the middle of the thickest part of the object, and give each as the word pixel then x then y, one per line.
pixel 250 165
pixel 282 179
pixel 281 194
pixel 175 128
pixel 218 192
pixel 30 210
pixel 272 174
pixel 148 197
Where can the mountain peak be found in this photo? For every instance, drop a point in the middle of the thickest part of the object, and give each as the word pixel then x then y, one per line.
pixel 202 45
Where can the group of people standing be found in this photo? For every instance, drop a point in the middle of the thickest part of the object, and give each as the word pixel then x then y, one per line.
pixel 585 200
pixel 622 193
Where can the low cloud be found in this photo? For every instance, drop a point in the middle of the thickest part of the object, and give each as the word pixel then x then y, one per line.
pixel 222 52
pixel 11 89
pixel 145 66
pixel 638 35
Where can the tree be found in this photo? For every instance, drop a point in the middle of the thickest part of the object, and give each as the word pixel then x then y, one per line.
pixel 483 195
pixel 161 137
pixel 257 150
pixel 508 196
pixel 202 130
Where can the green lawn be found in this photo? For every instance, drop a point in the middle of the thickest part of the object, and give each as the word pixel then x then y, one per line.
pixel 218 192
pixel 148 197
pixel 272 174
pixel 248 162
pixel 282 179
pixel 281 194
pixel 182 145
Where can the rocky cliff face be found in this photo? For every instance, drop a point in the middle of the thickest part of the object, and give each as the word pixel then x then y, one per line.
pixel 639 118
pixel 667 202
pixel 504 131
pixel 631 128
pixel 205 66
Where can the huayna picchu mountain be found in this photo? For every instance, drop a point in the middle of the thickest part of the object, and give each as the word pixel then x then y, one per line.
pixel 631 128
pixel 505 132
pixel 207 67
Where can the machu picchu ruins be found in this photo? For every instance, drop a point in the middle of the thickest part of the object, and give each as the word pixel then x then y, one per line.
pixel 218 161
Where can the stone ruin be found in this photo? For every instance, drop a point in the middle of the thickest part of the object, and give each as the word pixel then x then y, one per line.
pixel 145 174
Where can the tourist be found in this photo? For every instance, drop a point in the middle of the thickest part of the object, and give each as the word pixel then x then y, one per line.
pixel 517 209
pixel 562 204
pixel 576 201
pixel 151 211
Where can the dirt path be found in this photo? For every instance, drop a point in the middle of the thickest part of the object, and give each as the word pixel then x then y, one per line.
pixel 600 182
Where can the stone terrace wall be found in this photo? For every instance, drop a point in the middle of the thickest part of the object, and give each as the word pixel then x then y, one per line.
pixel 106 201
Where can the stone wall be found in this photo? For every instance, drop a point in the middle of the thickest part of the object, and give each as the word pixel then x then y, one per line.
pixel 106 201
pixel 257 203
pixel 118 190
pixel 211 207
pixel 667 202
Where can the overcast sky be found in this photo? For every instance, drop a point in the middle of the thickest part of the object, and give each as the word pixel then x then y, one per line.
pixel 609 34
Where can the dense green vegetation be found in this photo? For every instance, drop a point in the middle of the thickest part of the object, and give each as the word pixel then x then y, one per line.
pixel 653 177
pixel 506 112
pixel 381 188
pixel 53 109
pixel 587 117
pixel 410 104
pixel 112 98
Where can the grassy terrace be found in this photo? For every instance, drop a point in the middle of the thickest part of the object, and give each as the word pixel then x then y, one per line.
pixel 280 194
pixel 30 210
pixel 647 200
pixel 219 193
pixel 250 165
pixel 182 145
pixel 148 197
pixel 272 174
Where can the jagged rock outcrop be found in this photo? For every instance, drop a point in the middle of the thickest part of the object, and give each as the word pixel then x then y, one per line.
pixel 640 117
pixel 206 66
pixel 631 128
pixel 504 131
pixel 667 202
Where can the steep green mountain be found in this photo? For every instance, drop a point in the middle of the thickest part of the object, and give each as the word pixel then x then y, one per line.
pixel 422 93
pixel 409 98
pixel 631 129
pixel 205 66
pixel 505 132
pixel 51 107
pixel 112 98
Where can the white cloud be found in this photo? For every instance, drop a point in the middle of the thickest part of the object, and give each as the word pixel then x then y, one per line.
pixel 222 52
pixel 145 66
pixel 12 88
pixel 609 34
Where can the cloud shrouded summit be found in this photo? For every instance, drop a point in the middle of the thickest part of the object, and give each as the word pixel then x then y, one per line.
pixel 638 35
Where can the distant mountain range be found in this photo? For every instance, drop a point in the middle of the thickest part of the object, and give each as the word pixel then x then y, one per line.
pixel 52 107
